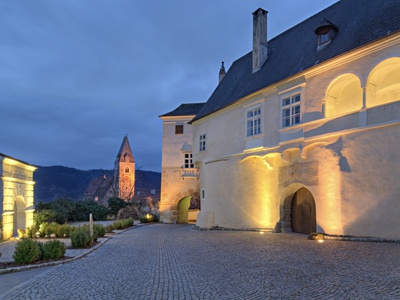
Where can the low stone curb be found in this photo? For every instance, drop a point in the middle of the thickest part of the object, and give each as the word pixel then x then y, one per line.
pixel 233 229
pixel 360 239
pixel 60 262
pixel 323 236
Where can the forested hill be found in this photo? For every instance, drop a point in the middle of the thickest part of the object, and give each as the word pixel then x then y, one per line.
pixel 58 181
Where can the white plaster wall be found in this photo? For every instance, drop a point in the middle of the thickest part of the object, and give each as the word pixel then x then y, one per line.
pixel 237 192
pixel 173 186
pixel 358 172
pixel 370 192
pixel 172 143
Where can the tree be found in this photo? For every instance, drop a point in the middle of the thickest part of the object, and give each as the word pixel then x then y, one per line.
pixel 115 204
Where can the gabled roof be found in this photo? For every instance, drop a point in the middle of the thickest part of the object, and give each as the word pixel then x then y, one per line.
pixel 185 109
pixel 125 150
pixel 359 22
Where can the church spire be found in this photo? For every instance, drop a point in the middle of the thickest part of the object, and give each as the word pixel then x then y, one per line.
pixel 124 173
pixel 125 152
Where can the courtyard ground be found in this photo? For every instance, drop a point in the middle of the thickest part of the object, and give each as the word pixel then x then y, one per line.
pixel 165 261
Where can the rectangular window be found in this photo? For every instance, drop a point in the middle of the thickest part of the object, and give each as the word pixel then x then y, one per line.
pixel 203 194
pixel 253 121
pixel 323 36
pixel 178 129
pixel 291 110
pixel 189 161
pixel 202 142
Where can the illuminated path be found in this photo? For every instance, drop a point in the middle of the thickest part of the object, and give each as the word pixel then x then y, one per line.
pixel 177 262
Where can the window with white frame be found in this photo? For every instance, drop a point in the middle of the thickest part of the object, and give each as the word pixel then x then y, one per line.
pixel 189 161
pixel 202 142
pixel 253 122
pixel 291 110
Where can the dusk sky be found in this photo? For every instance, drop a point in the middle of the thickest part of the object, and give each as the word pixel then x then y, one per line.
pixel 77 75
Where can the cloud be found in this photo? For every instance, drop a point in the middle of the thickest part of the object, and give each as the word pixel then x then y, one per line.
pixel 76 76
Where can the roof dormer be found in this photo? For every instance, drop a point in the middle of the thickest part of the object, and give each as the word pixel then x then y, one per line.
pixel 325 31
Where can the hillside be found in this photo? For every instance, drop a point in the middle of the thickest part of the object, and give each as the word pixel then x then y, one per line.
pixel 58 181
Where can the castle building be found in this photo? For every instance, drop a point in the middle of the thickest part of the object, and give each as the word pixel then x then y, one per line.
pixel 179 177
pixel 301 134
pixel 16 194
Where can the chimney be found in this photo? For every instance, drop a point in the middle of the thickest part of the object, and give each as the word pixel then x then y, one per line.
pixel 260 51
pixel 221 72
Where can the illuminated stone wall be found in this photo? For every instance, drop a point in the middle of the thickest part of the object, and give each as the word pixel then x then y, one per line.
pixel 345 150
pixel 17 195
pixel 176 182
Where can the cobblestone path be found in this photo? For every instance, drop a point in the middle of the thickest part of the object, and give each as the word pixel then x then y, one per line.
pixel 177 262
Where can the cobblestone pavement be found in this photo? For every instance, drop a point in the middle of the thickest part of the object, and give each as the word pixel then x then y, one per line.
pixel 177 262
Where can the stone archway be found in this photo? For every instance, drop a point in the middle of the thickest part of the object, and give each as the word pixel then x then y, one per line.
pixel 19 215
pixel 183 210
pixel 303 212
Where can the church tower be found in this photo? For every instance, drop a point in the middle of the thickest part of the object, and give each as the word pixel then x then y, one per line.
pixel 124 168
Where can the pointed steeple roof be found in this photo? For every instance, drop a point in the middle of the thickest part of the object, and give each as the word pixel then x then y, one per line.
pixel 125 151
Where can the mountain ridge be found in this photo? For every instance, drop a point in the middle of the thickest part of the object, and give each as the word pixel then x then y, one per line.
pixel 53 182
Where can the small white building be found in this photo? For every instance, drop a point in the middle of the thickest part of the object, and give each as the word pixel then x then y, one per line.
pixel 179 177
pixel 302 132
pixel 16 194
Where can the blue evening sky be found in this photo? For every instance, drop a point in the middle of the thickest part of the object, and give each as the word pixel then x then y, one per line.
pixel 77 75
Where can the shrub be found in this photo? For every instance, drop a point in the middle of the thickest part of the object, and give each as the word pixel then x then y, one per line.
pixel 80 237
pixel 51 228
pixel 110 228
pixel 87 207
pixel 99 229
pixel 130 222
pixel 156 218
pixel 53 250
pixel 21 233
pixel 31 232
pixel 26 251
pixel 118 225
pixel 115 204
pixel 148 218
pixel 45 216
pixel 63 230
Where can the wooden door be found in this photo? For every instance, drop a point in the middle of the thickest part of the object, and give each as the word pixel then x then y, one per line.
pixel 303 212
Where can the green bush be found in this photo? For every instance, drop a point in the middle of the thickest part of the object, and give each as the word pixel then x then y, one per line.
pixel 31 232
pixel 53 250
pixel 51 228
pixel 129 222
pixel 99 229
pixel 115 204
pixel 63 231
pixel 87 207
pixel 80 237
pixel 45 216
pixel 122 224
pixel 118 225
pixel 26 251
pixel 110 228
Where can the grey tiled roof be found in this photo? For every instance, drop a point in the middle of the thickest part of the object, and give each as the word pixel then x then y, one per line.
pixel 359 22
pixel 185 109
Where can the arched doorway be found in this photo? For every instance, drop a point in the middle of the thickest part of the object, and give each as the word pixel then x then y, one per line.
pixel 303 214
pixel 19 215
pixel 183 210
